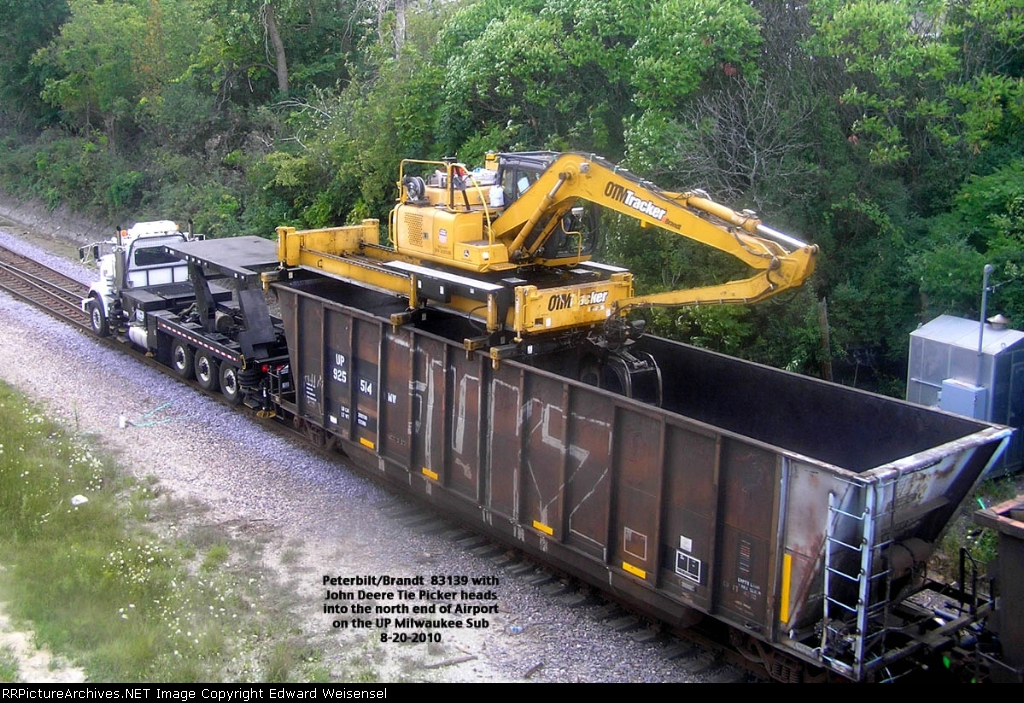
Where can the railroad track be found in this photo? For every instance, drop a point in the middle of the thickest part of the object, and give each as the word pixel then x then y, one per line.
pixel 41 286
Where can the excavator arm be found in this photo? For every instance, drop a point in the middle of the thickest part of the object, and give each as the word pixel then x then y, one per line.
pixel 780 262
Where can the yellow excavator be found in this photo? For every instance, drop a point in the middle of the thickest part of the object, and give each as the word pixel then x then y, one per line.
pixel 510 246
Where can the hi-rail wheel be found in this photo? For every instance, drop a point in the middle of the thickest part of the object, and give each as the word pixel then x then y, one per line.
pixel 207 371
pixel 183 360
pixel 636 376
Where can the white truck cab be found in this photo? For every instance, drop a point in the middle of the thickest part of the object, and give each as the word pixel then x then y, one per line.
pixel 132 258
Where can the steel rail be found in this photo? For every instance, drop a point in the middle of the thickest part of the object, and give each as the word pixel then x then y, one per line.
pixel 55 293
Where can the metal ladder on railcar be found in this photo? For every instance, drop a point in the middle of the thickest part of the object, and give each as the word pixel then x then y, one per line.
pixel 870 618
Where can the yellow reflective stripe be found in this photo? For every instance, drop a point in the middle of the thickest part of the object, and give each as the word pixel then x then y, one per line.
pixel 787 570
pixel 636 571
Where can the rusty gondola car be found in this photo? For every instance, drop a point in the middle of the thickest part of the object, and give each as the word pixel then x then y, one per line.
pixel 796 511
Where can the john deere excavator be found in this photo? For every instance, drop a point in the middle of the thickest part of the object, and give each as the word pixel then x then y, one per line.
pixel 510 244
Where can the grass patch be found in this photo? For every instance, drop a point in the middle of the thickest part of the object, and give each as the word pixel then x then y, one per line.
pixel 215 557
pixel 100 588
pixel 8 666
pixel 980 542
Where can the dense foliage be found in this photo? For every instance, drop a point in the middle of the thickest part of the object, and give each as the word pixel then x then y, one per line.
pixel 887 131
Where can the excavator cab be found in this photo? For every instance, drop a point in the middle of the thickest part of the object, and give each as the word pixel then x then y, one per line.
pixel 515 182
pixel 576 235
pixel 577 232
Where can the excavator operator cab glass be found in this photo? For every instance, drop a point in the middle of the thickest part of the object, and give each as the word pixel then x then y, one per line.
pixel 575 235
pixel 516 182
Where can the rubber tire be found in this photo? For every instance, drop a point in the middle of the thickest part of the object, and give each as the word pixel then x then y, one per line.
pixel 207 371
pixel 98 319
pixel 230 386
pixel 183 360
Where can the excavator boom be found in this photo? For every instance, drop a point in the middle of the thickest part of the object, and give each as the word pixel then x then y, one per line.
pixel 782 262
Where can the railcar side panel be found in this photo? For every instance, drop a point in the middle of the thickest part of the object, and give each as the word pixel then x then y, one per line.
pixel 505 448
pixel 747 485
pixel 691 513
pixel 338 373
pixel 397 426
pixel 366 353
pixel 589 478
pixel 466 424
pixel 430 391
pixel 677 513
pixel 636 461
pixel 545 452
pixel 304 328
pixel 806 514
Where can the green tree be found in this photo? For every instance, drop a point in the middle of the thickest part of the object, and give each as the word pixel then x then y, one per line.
pixel 98 80
pixel 569 74
pixel 261 51
pixel 25 27
pixel 508 85
pixel 683 40
pixel 924 70
pixel 342 163
pixel 986 225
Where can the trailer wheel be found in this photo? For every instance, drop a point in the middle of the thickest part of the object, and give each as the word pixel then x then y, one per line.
pixel 183 359
pixel 98 318
pixel 207 371
pixel 229 383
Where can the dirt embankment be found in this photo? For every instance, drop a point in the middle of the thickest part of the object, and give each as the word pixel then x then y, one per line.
pixel 63 228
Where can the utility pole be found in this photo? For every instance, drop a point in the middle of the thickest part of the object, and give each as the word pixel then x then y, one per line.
pixel 981 322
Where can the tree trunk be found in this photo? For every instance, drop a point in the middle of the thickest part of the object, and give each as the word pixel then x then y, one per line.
pixel 399 25
pixel 826 343
pixel 275 40
pixel 110 129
